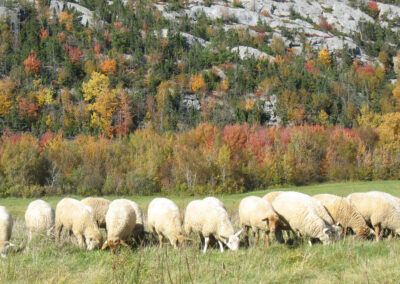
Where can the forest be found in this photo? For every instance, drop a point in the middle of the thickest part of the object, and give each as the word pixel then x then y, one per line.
pixel 126 105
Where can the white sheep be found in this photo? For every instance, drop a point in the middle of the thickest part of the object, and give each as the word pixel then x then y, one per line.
pixel 344 213
pixel 165 220
pixel 257 214
pixel 270 196
pixel 120 220
pixel 214 201
pixel 378 211
pixel 100 208
pixel 207 219
pixel 138 231
pixel 299 211
pixel 6 225
pixel 39 217
pixel 77 218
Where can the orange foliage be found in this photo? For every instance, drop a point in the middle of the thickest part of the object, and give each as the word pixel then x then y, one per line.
pixel 108 66
pixel 197 82
pixel 32 64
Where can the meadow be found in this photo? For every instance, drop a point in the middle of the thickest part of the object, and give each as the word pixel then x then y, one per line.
pixel 346 261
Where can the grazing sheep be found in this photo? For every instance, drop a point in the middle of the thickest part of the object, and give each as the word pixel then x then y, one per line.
pixel 270 196
pixel 378 211
pixel 39 217
pixel 342 212
pixel 138 231
pixel 165 220
pixel 214 201
pixel 100 208
pixel 6 225
pixel 207 219
pixel 257 214
pixel 78 219
pixel 120 220
pixel 299 211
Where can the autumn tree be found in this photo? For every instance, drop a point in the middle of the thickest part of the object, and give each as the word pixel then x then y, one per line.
pixel 6 88
pixel 32 64
pixel 324 57
pixel 108 66
pixel 197 82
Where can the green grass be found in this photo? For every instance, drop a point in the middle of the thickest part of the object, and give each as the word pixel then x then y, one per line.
pixel 348 261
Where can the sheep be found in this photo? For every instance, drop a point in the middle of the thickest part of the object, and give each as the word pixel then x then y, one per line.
pixel 120 220
pixel 214 201
pixel 78 219
pixel 344 213
pixel 258 214
pixel 100 207
pixel 6 225
pixel 270 196
pixel 207 219
pixel 165 220
pixel 378 210
pixel 39 217
pixel 299 211
pixel 138 231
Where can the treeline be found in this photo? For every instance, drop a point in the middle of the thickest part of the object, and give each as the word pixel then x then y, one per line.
pixel 206 159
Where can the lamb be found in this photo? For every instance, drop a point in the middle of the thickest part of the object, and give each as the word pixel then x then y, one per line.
pixel 209 220
pixel 78 219
pixel 345 214
pixel 100 208
pixel 39 217
pixel 165 220
pixel 378 211
pixel 214 201
pixel 299 211
pixel 6 225
pixel 120 220
pixel 138 231
pixel 270 196
pixel 258 214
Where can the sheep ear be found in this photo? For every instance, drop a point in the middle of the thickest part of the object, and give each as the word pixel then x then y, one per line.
pixel 122 242
pixel 11 244
pixel 326 230
pixel 238 233
pixel 105 245
pixel 337 224
pixel 265 219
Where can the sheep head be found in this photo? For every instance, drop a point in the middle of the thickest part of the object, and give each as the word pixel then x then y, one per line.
pixel 233 241
pixel 273 222
pixel 365 232
pixel 4 247
pixel 114 245
pixel 93 239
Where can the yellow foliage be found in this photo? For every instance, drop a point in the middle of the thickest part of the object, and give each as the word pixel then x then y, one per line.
pixel 368 117
pixel 97 84
pixel 197 83
pixel 324 57
pixel 249 104
pixel 323 118
pixel 396 93
pixel 162 93
pixel 89 67
pixel 389 131
pixel 6 88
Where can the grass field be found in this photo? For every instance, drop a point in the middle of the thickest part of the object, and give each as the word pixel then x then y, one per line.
pixel 347 261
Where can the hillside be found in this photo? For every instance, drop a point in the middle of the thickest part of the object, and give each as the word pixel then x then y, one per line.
pixel 178 63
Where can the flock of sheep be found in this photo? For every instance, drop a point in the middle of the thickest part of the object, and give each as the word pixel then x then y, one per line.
pixel 323 217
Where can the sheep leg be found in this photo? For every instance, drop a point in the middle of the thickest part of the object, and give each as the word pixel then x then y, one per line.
pixel 378 232
pixel 81 241
pixel 206 241
pixel 279 236
pixel 267 241
pixel 221 246
pixel 246 235
pixel 161 239
pixel 256 236
pixel 58 232
pixel 390 236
